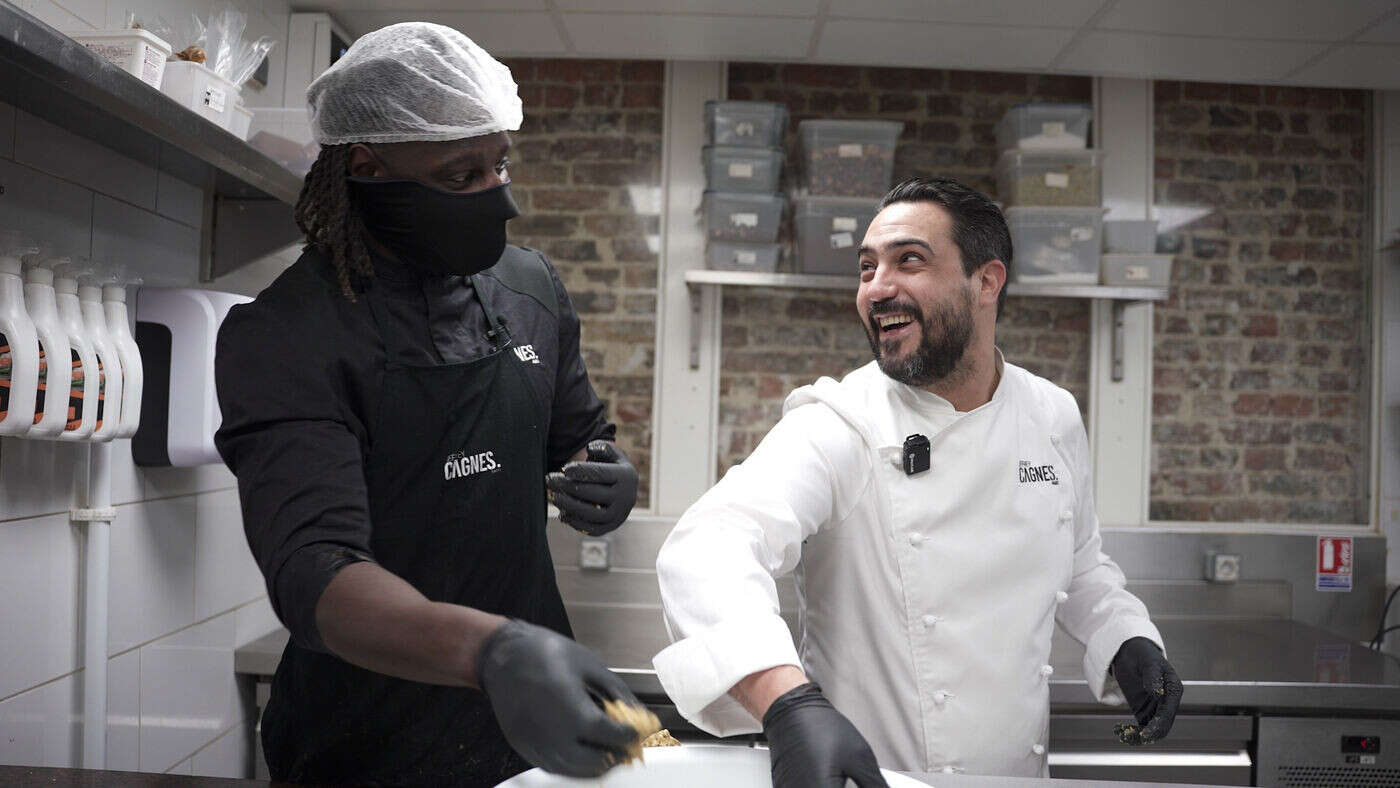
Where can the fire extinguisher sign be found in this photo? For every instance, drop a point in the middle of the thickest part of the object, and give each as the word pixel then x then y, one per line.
pixel 1334 560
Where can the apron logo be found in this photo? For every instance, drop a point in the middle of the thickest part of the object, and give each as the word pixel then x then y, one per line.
pixel 460 465
pixel 1030 474
pixel 526 353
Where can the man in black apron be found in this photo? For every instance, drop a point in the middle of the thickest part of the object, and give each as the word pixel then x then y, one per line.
pixel 392 404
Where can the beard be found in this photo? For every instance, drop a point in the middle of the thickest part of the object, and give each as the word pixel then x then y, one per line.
pixel 944 334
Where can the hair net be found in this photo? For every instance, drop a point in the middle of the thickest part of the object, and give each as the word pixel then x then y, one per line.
pixel 411 82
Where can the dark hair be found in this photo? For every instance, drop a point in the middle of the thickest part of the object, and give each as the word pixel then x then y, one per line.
pixel 327 216
pixel 979 229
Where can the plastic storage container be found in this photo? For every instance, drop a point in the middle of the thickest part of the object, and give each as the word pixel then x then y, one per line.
pixel 139 53
pixel 1130 236
pixel 1056 178
pixel 86 383
pixel 19 344
pixel 754 124
pixel 201 90
pixel 56 359
pixel 133 376
pixel 1055 245
pixel 726 256
pixel 829 231
pixel 741 216
pixel 240 122
pixel 1043 126
pixel 1136 270
pixel 848 158
pixel 735 169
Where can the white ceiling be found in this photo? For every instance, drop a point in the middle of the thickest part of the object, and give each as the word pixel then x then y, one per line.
pixel 1345 43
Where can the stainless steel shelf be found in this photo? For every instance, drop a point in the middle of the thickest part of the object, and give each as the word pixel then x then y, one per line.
pixel 1120 296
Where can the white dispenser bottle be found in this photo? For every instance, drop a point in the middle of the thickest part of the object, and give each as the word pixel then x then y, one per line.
pixel 19 345
pixel 55 354
pixel 119 326
pixel 86 388
pixel 90 300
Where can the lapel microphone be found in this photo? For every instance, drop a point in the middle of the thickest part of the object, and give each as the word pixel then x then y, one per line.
pixel 916 454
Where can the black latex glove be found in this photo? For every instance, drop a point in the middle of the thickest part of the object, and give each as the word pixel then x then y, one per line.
pixel 542 686
pixel 595 495
pixel 1152 688
pixel 812 745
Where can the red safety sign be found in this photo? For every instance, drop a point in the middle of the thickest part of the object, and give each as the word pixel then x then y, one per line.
pixel 1334 557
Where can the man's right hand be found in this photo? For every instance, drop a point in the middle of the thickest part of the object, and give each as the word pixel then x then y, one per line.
pixel 539 684
pixel 812 745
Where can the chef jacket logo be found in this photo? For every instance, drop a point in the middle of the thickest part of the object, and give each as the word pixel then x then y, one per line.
pixel 526 353
pixel 460 465
pixel 1029 474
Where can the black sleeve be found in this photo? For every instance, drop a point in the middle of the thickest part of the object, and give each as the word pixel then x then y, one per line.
pixel 578 416
pixel 300 473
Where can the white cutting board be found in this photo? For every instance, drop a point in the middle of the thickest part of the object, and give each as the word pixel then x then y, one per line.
pixel 687 766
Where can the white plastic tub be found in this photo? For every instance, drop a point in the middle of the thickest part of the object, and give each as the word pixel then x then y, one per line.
pixel 848 158
pixel 139 53
pixel 240 122
pixel 829 231
pixel 202 91
pixel 730 168
pixel 726 256
pixel 687 766
pixel 1045 126
pixel 756 124
pixel 740 216
pixel 1051 177
pixel 1136 270
pixel 1055 245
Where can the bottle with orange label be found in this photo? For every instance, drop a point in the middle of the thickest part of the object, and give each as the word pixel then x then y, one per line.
pixel 85 409
pixel 114 291
pixel 109 365
pixel 51 404
pixel 19 346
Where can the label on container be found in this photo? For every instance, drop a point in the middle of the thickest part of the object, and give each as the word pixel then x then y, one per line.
pixel 1334 562
pixel 745 257
pixel 743 219
pixel 6 372
pixel 1052 128
pixel 1057 180
pixel 843 224
pixel 152 66
pixel 842 240
pixel 1080 234
pixel 101 395
pixel 76 391
pixel 851 150
pixel 745 129
pixel 116 54
pixel 1135 273
pixel 43 382
pixel 214 99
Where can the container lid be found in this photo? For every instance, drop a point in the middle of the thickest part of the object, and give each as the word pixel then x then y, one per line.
pixel 1129 257
pixel 888 126
pixel 1051 106
pixel 735 104
pixel 763 198
pixel 133 32
pixel 1019 156
pixel 826 205
pixel 739 150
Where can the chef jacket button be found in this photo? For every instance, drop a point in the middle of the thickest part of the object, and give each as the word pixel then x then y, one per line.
pixel 1061 596
pixel 947 770
pixel 941 697
pixel 1066 516
pixel 1046 671
pixel 1038 749
pixel 916 539
pixel 929 621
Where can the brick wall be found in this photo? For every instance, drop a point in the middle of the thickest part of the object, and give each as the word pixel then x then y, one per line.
pixel 776 340
pixel 1261 374
pixel 587 174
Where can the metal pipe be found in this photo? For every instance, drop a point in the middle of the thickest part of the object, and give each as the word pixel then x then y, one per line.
pixel 96 495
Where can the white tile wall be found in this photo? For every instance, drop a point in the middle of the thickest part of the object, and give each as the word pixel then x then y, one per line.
pixel 42 727
pixel 225 574
pixel 36 477
pixel 189 694
pixel 152 573
pixel 175 199
pixel 39 562
pixel 7 131
pixel 51 210
pixel 54 15
pixel 230 755
pixel 165 252
pixel 63 154
pixel 124 712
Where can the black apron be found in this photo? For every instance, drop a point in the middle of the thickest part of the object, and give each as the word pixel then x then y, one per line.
pixel 455 474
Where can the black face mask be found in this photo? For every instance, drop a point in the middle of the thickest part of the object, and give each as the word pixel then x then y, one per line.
pixel 433 230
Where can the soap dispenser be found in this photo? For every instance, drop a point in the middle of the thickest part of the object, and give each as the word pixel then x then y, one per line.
pixel 108 361
pixel 19 345
pixel 56 356
pixel 85 392
pixel 114 294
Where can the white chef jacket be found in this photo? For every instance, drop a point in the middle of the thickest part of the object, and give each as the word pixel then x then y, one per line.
pixel 926 602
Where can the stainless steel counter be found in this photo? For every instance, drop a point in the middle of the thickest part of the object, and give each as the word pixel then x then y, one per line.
pixel 1247 664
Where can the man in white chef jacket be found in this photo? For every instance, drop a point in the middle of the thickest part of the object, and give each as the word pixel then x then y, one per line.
pixel 929 579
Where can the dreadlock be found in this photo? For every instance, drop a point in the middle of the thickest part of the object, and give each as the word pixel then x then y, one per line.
pixel 328 217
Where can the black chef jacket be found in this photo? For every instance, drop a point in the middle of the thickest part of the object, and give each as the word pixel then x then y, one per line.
pixel 299 373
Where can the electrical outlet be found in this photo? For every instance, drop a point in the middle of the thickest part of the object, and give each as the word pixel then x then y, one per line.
pixel 595 552
pixel 1223 567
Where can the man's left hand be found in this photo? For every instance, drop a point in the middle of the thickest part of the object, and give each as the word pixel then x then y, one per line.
pixel 595 495
pixel 1152 688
